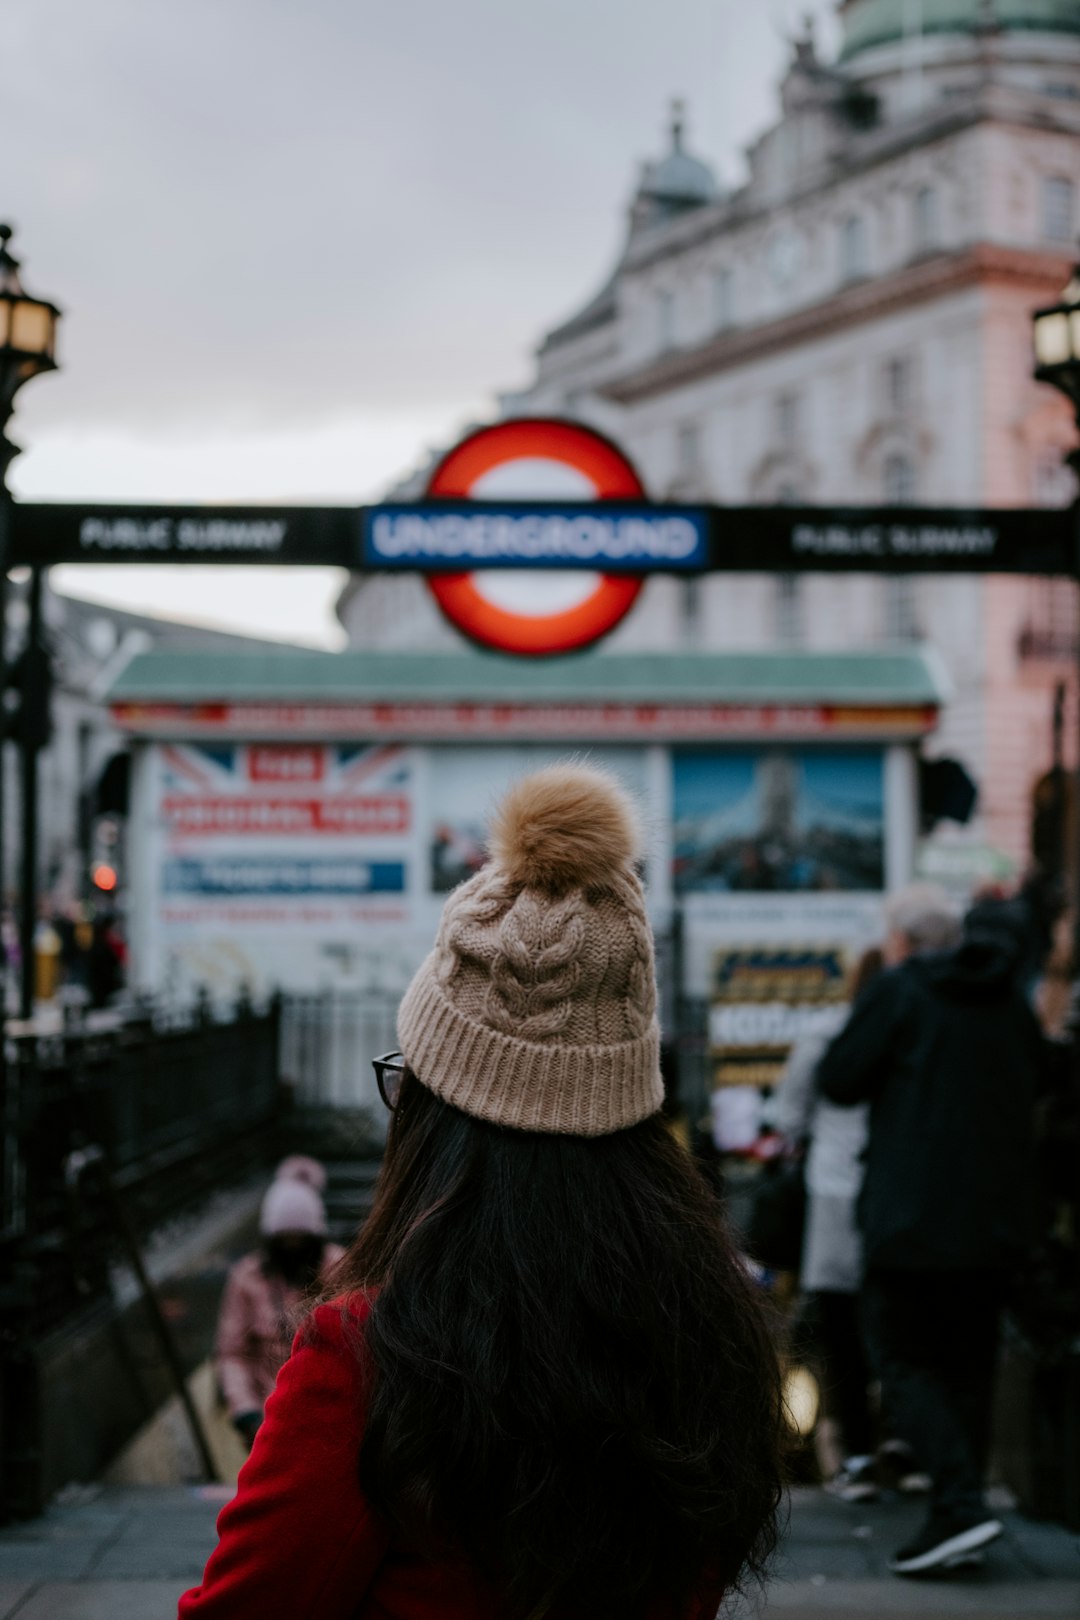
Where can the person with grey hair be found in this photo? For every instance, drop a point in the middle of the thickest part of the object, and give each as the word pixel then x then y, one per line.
pixel 919 918
pixel 947 1052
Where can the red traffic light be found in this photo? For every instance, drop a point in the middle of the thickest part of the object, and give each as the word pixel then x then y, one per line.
pixel 104 878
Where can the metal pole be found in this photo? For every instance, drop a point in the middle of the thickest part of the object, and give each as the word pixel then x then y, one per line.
pixel 29 748
pixel 5 543
pixel 75 1168
pixel 1073 459
pixel 1069 1414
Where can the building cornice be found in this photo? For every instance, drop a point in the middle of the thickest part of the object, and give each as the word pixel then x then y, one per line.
pixel 1039 273
pixel 742 209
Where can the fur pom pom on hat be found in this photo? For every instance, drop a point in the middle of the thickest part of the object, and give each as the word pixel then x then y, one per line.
pixel 537 1008
pixel 563 828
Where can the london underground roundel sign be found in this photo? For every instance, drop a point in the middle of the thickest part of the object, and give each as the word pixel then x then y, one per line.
pixel 535 612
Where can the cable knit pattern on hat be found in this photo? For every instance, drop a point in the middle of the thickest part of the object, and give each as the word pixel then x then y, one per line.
pixel 537 1007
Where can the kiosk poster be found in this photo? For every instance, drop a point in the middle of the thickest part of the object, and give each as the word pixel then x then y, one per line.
pixel 779 820
pixel 466 783
pixel 779 863
pixel 266 858
pixel 765 998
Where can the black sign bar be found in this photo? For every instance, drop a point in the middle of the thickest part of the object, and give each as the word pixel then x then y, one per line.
pixel 320 536
pixel 739 539
pixel 894 539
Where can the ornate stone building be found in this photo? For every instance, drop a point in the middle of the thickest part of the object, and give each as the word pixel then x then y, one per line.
pixel 852 324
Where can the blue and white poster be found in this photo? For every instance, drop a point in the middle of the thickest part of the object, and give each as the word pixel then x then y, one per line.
pixel 784 820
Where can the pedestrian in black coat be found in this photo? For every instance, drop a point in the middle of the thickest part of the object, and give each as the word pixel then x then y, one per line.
pixel 948 1053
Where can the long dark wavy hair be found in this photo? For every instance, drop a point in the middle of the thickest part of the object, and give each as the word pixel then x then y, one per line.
pixel 571 1381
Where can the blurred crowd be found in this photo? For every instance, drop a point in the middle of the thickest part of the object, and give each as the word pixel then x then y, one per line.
pixel 80 953
pixel 912 1203
pixel 924 1162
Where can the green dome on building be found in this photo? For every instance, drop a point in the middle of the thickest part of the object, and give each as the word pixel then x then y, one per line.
pixel 868 23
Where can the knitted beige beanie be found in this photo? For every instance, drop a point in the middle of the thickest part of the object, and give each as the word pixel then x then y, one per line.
pixel 537 1007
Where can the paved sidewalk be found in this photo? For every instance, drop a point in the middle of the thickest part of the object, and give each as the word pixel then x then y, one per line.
pixel 126 1553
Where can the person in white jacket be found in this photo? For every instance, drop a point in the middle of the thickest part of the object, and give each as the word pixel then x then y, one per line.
pixel 831 1270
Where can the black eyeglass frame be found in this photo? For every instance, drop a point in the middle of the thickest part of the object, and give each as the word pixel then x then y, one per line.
pixel 389 1073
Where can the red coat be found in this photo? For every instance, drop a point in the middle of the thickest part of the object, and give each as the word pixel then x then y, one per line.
pixel 300 1541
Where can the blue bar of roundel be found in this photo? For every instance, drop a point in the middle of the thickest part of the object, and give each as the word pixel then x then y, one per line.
pixel 281 877
pixel 596 535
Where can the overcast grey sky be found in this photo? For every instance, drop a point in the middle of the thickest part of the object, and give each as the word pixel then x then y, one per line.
pixel 299 240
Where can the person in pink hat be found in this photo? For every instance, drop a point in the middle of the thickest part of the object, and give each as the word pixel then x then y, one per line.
pixel 265 1290
pixel 542 1386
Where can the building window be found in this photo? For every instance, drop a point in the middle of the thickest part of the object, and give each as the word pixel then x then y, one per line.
pixel 1052 621
pixel 901 603
pixel 665 320
pixel 900 481
pixel 853 248
pixel 691 606
pixel 1059 207
pixel 723 299
pixel 927 224
pixel 688 448
pixel 787 419
pixel 899 384
pixel 1053 481
pixel 789 609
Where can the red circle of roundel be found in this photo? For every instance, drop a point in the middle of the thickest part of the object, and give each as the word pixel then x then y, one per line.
pixel 549 439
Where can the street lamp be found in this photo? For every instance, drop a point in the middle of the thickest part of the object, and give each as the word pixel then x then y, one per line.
pixel 27 341
pixel 1057 349
pixel 27 348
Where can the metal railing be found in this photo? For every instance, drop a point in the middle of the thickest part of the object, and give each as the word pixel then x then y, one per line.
pixel 328 1040
pixel 176 1106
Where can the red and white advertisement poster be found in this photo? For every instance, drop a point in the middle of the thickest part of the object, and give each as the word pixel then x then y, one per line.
pixel 273 864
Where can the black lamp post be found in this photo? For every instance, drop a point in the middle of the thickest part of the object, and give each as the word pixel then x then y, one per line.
pixel 27 348
pixel 1057 361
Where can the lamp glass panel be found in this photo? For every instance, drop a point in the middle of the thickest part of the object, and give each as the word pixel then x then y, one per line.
pixel 1052 345
pixel 1074 322
pixel 32 327
pixel 5 321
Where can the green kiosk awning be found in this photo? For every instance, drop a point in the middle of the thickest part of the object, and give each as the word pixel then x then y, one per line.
pixel 661 697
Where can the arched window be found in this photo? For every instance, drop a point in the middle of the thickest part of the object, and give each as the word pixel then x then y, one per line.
pixel 665 320
pixel 853 248
pixel 790 626
pixel 691 608
pixel 1051 622
pixel 899 480
pixel 688 449
pixel 901 607
pixel 1053 482
pixel 899 384
pixel 724 299
pixel 1058 208
pixel 927 228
